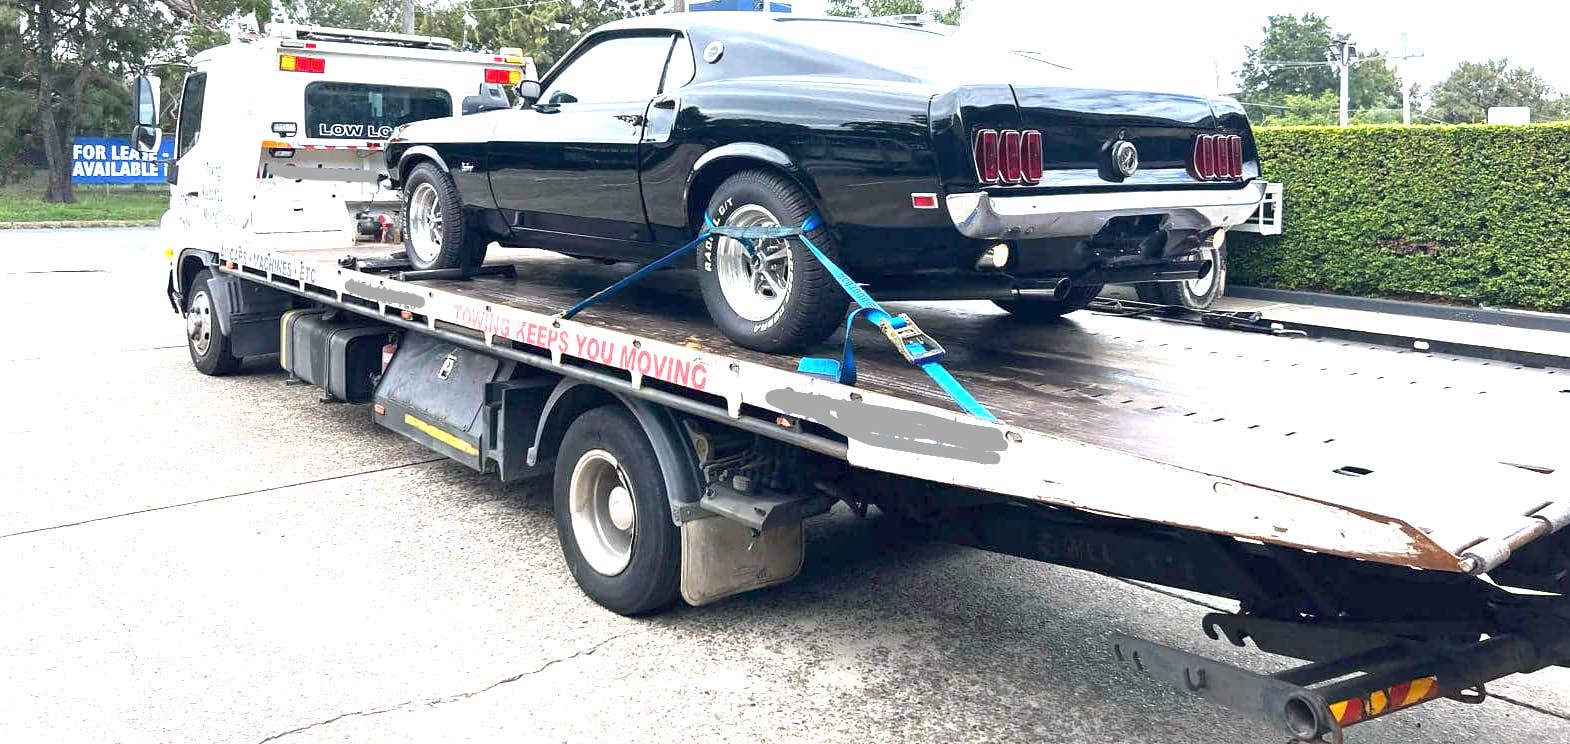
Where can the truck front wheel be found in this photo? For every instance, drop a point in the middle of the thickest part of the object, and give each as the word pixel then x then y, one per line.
pixel 204 337
pixel 613 516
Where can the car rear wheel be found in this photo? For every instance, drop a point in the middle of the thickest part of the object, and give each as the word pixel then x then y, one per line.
pixel 778 297
pixel 1195 294
pixel 1038 309
pixel 434 234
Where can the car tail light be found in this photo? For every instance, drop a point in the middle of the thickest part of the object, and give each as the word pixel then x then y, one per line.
pixel 502 75
pixel 1217 157
pixel 1033 163
pixel 293 63
pixel 1008 157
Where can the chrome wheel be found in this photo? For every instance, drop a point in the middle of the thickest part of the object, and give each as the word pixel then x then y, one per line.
pixel 755 283
pixel 604 515
pixel 1202 286
pixel 199 322
pixel 425 222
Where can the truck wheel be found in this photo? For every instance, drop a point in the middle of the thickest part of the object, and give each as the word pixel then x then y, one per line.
pixel 205 340
pixel 613 516
pixel 1195 294
pixel 435 235
pixel 779 298
pixel 1043 309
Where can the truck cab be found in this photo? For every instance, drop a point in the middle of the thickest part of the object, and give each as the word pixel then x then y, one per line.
pixel 280 134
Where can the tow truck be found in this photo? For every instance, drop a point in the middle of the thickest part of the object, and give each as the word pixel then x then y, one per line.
pixel 1393 518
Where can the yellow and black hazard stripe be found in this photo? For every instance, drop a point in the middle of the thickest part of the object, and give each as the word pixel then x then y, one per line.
pixel 1380 702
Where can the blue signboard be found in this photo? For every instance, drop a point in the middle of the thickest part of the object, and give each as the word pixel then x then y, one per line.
pixel 108 160
pixel 768 5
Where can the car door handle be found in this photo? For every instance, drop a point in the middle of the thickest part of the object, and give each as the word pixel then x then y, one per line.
pixel 665 103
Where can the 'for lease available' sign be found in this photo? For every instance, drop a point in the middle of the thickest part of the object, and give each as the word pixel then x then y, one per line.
pixel 107 160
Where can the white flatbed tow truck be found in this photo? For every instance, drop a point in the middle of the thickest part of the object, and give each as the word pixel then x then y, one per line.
pixel 1396 519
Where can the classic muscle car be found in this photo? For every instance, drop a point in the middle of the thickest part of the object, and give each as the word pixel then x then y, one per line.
pixel 940 170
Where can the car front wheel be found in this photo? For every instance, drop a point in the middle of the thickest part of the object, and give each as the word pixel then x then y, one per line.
pixel 434 235
pixel 775 297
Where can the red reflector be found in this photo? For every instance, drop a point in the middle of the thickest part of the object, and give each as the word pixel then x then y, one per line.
pixel 924 201
pixel 502 75
pixel 988 167
pixel 1013 155
pixel 1032 156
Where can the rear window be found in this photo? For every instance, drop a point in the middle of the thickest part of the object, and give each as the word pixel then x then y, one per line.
pixel 368 112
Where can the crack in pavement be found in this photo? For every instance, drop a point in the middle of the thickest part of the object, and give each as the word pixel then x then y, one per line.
pixel 323 479
pixel 433 702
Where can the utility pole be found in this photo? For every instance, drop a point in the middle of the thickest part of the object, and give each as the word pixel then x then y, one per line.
pixel 408 16
pixel 1406 88
pixel 1345 50
pixel 678 6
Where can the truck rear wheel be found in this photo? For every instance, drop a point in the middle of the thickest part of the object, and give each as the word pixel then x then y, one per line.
pixel 613 516
pixel 204 337
pixel 435 235
pixel 1036 309
pixel 778 298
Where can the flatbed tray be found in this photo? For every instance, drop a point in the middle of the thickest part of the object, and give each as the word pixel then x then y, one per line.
pixel 1397 456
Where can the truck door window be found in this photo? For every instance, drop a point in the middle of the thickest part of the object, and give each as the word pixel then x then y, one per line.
pixel 190 123
pixel 369 112
pixel 623 68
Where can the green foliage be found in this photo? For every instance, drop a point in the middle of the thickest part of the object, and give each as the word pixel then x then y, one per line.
pixel 1473 87
pixel 545 30
pixel 1471 214
pixel 873 8
pixel 1294 60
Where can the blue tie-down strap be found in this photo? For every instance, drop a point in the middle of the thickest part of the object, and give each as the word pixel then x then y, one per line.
pixel 916 346
pixel 638 275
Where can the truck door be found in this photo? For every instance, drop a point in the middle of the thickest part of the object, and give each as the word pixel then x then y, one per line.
pixel 569 166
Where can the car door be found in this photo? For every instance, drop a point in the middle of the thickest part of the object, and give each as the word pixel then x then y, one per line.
pixel 565 172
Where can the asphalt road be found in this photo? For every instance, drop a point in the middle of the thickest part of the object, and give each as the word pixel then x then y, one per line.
pixel 189 559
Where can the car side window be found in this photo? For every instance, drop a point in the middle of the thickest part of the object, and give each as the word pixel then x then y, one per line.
pixel 681 68
pixel 190 123
pixel 624 68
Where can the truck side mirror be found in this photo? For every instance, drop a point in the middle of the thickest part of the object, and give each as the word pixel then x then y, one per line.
pixel 490 98
pixel 529 92
pixel 146 136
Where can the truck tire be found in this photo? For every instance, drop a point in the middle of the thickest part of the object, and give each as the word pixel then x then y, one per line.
pixel 1038 310
pixel 435 235
pixel 780 299
pixel 204 338
pixel 1194 294
pixel 613 516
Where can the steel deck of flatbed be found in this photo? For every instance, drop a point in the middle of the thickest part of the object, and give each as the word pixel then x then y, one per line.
pixel 1395 456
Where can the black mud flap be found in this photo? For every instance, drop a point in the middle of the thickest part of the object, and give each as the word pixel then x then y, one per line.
pixel 248 314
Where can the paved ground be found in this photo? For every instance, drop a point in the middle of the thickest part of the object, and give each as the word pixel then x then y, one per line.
pixel 187 559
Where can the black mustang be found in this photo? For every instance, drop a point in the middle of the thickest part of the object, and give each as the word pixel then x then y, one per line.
pixel 941 171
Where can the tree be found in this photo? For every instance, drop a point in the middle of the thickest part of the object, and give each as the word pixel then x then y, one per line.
pixel 76 49
pixel 1295 59
pixel 1466 95
pixel 877 8
pixel 544 30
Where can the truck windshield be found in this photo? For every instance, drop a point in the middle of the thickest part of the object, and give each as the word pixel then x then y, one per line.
pixel 368 112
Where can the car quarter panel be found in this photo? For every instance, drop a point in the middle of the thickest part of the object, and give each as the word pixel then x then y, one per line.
pixel 457 145
pixel 859 148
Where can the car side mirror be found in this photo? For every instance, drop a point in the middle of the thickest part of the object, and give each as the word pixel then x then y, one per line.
pixel 490 98
pixel 146 136
pixel 529 92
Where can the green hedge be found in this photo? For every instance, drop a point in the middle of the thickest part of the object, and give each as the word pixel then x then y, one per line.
pixel 1474 214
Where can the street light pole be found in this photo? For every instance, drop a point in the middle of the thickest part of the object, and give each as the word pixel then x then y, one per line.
pixel 1344 51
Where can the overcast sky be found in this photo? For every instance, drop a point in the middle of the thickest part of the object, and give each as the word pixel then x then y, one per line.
pixel 1179 46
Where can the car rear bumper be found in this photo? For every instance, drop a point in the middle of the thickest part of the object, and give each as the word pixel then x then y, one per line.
pixel 984 216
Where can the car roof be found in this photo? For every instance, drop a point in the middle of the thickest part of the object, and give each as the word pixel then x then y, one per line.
pixel 707 23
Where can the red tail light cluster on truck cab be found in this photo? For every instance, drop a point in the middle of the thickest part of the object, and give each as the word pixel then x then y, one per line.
pixel 1008 157
pixel 1217 157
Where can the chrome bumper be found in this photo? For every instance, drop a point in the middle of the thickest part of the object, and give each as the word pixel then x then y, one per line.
pixel 981 215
